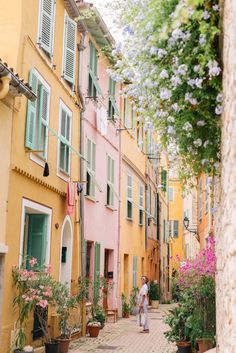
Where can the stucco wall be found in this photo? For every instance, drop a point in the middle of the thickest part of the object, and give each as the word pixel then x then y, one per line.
pixel 226 228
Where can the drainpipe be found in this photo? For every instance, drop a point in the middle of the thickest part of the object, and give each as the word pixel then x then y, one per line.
pixel 119 226
pixel 5 86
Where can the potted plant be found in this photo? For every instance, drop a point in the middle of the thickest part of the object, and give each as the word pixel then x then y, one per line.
pixel 154 294
pixel 64 302
pixel 179 331
pixel 93 327
pixel 99 315
pixel 125 307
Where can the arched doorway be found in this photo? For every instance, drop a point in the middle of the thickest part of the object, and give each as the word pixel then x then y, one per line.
pixel 66 251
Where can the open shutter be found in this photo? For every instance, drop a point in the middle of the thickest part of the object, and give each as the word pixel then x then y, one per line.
pixel 43 116
pixel 47 25
pixel 97 264
pixel 164 179
pixel 176 229
pixel 134 271
pixel 31 113
pixel 69 50
pixel 37 237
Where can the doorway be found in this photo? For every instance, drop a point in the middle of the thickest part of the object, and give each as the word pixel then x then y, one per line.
pixel 66 251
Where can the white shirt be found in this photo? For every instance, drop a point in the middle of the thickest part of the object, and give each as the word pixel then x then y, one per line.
pixel 143 291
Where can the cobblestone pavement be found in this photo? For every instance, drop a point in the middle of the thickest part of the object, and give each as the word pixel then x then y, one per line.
pixel 125 337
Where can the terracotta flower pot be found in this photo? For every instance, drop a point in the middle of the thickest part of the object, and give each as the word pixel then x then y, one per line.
pixel 184 347
pixel 204 344
pixel 93 331
pixel 125 315
pixel 64 344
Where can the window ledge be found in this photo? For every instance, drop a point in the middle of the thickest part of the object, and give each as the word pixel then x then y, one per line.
pixel 129 219
pixel 90 198
pixel 141 225
pixel 112 208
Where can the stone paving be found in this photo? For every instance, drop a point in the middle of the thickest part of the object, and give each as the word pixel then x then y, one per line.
pixel 125 337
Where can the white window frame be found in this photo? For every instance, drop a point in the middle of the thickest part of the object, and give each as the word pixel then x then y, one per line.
pixel 88 169
pixel 60 173
pixel 34 207
pixel 109 182
pixel 63 54
pixel 33 156
pixel 141 203
pixel 53 34
pixel 129 199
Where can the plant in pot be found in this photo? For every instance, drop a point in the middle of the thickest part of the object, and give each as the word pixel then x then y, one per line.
pixel 125 306
pixel 23 302
pixel 93 328
pixel 179 331
pixel 99 315
pixel 154 294
pixel 64 303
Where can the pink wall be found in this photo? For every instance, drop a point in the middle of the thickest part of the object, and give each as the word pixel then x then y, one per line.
pixel 100 222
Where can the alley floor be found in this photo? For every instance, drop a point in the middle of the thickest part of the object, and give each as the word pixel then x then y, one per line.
pixel 125 337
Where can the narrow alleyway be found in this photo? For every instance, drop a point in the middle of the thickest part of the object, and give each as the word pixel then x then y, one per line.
pixel 125 337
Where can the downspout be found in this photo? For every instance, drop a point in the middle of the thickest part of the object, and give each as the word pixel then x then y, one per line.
pixel 4 90
pixel 119 226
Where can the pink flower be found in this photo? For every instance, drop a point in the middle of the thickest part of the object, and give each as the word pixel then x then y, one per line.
pixel 48 268
pixel 33 262
pixel 43 303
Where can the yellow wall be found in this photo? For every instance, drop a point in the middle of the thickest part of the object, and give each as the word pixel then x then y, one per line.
pixel 18 38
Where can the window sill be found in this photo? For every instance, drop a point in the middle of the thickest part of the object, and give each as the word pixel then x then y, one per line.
pixel 112 208
pixel 90 198
pixel 62 175
pixel 141 225
pixel 129 219
pixel 35 157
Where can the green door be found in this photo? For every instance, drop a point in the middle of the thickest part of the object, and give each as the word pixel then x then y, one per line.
pixel 37 237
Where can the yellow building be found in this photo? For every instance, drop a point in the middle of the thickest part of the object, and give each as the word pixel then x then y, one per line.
pixel 176 228
pixel 39 41
pixel 133 216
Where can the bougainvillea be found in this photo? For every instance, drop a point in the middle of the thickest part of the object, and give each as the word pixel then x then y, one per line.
pixel 169 54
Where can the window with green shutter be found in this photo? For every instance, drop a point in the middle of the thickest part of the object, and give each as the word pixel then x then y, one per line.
pixel 65 137
pixel 46 25
pixel 93 86
pixel 112 107
pixel 69 50
pixel 176 228
pixel 35 237
pixel 91 168
pixel 164 179
pixel 134 271
pixel 141 205
pixel 110 181
pixel 127 114
pixel 129 196
pixel 37 116
pixel 97 256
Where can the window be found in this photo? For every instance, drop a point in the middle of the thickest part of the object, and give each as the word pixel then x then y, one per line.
pixel 112 108
pixel 164 179
pixel 127 114
pixel 165 231
pixel 149 202
pixel 207 194
pixel 110 181
pixel 97 257
pixel 141 205
pixel 134 271
pixel 37 115
pixel 129 197
pixel 171 194
pixel 93 85
pixel 46 25
pixel 69 50
pixel 91 168
pixel 174 228
pixel 35 232
pixel 65 137
pixel 133 118
pixel 200 199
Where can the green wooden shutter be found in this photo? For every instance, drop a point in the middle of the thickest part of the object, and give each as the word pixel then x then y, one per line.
pixel 134 271
pixel 69 50
pixel 47 25
pixel 176 229
pixel 31 113
pixel 164 179
pixel 97 261
pixel 43 117
pixel 37 237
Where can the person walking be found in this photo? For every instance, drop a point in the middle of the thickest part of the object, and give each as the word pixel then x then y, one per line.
pixel 143 303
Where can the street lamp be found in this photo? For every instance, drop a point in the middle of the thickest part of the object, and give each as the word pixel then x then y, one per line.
pixel 190 230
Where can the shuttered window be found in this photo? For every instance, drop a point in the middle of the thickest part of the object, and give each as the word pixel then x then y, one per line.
pixel 46 25
pixel 134 271
pixel 141 205
pixel 37 116
pixel 176 229
pixel 93 85
pixel 127 114
pixel 69 50
pixel 171 194
pixel 164 179
pixel 65 137
pixel 129 202
pixel 35 237
pixel 91 168
pixel 97 256
pixel 112 107
pixel 110 181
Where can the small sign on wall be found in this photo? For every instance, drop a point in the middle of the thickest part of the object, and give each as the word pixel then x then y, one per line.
pixel 63 254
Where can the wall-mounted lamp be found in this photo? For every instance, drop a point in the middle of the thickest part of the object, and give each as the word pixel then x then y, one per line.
pixel 190 230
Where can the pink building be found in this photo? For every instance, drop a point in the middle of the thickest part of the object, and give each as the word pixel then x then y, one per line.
pixel 100 145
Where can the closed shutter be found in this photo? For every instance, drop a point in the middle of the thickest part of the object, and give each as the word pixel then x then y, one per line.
pixel 134 271
pixel 31 113
pixel 69 50
pixel 37 237
pixel 97 268
pixel 164 179
pixel 176 229
pixel 43 116
pixel 47 25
